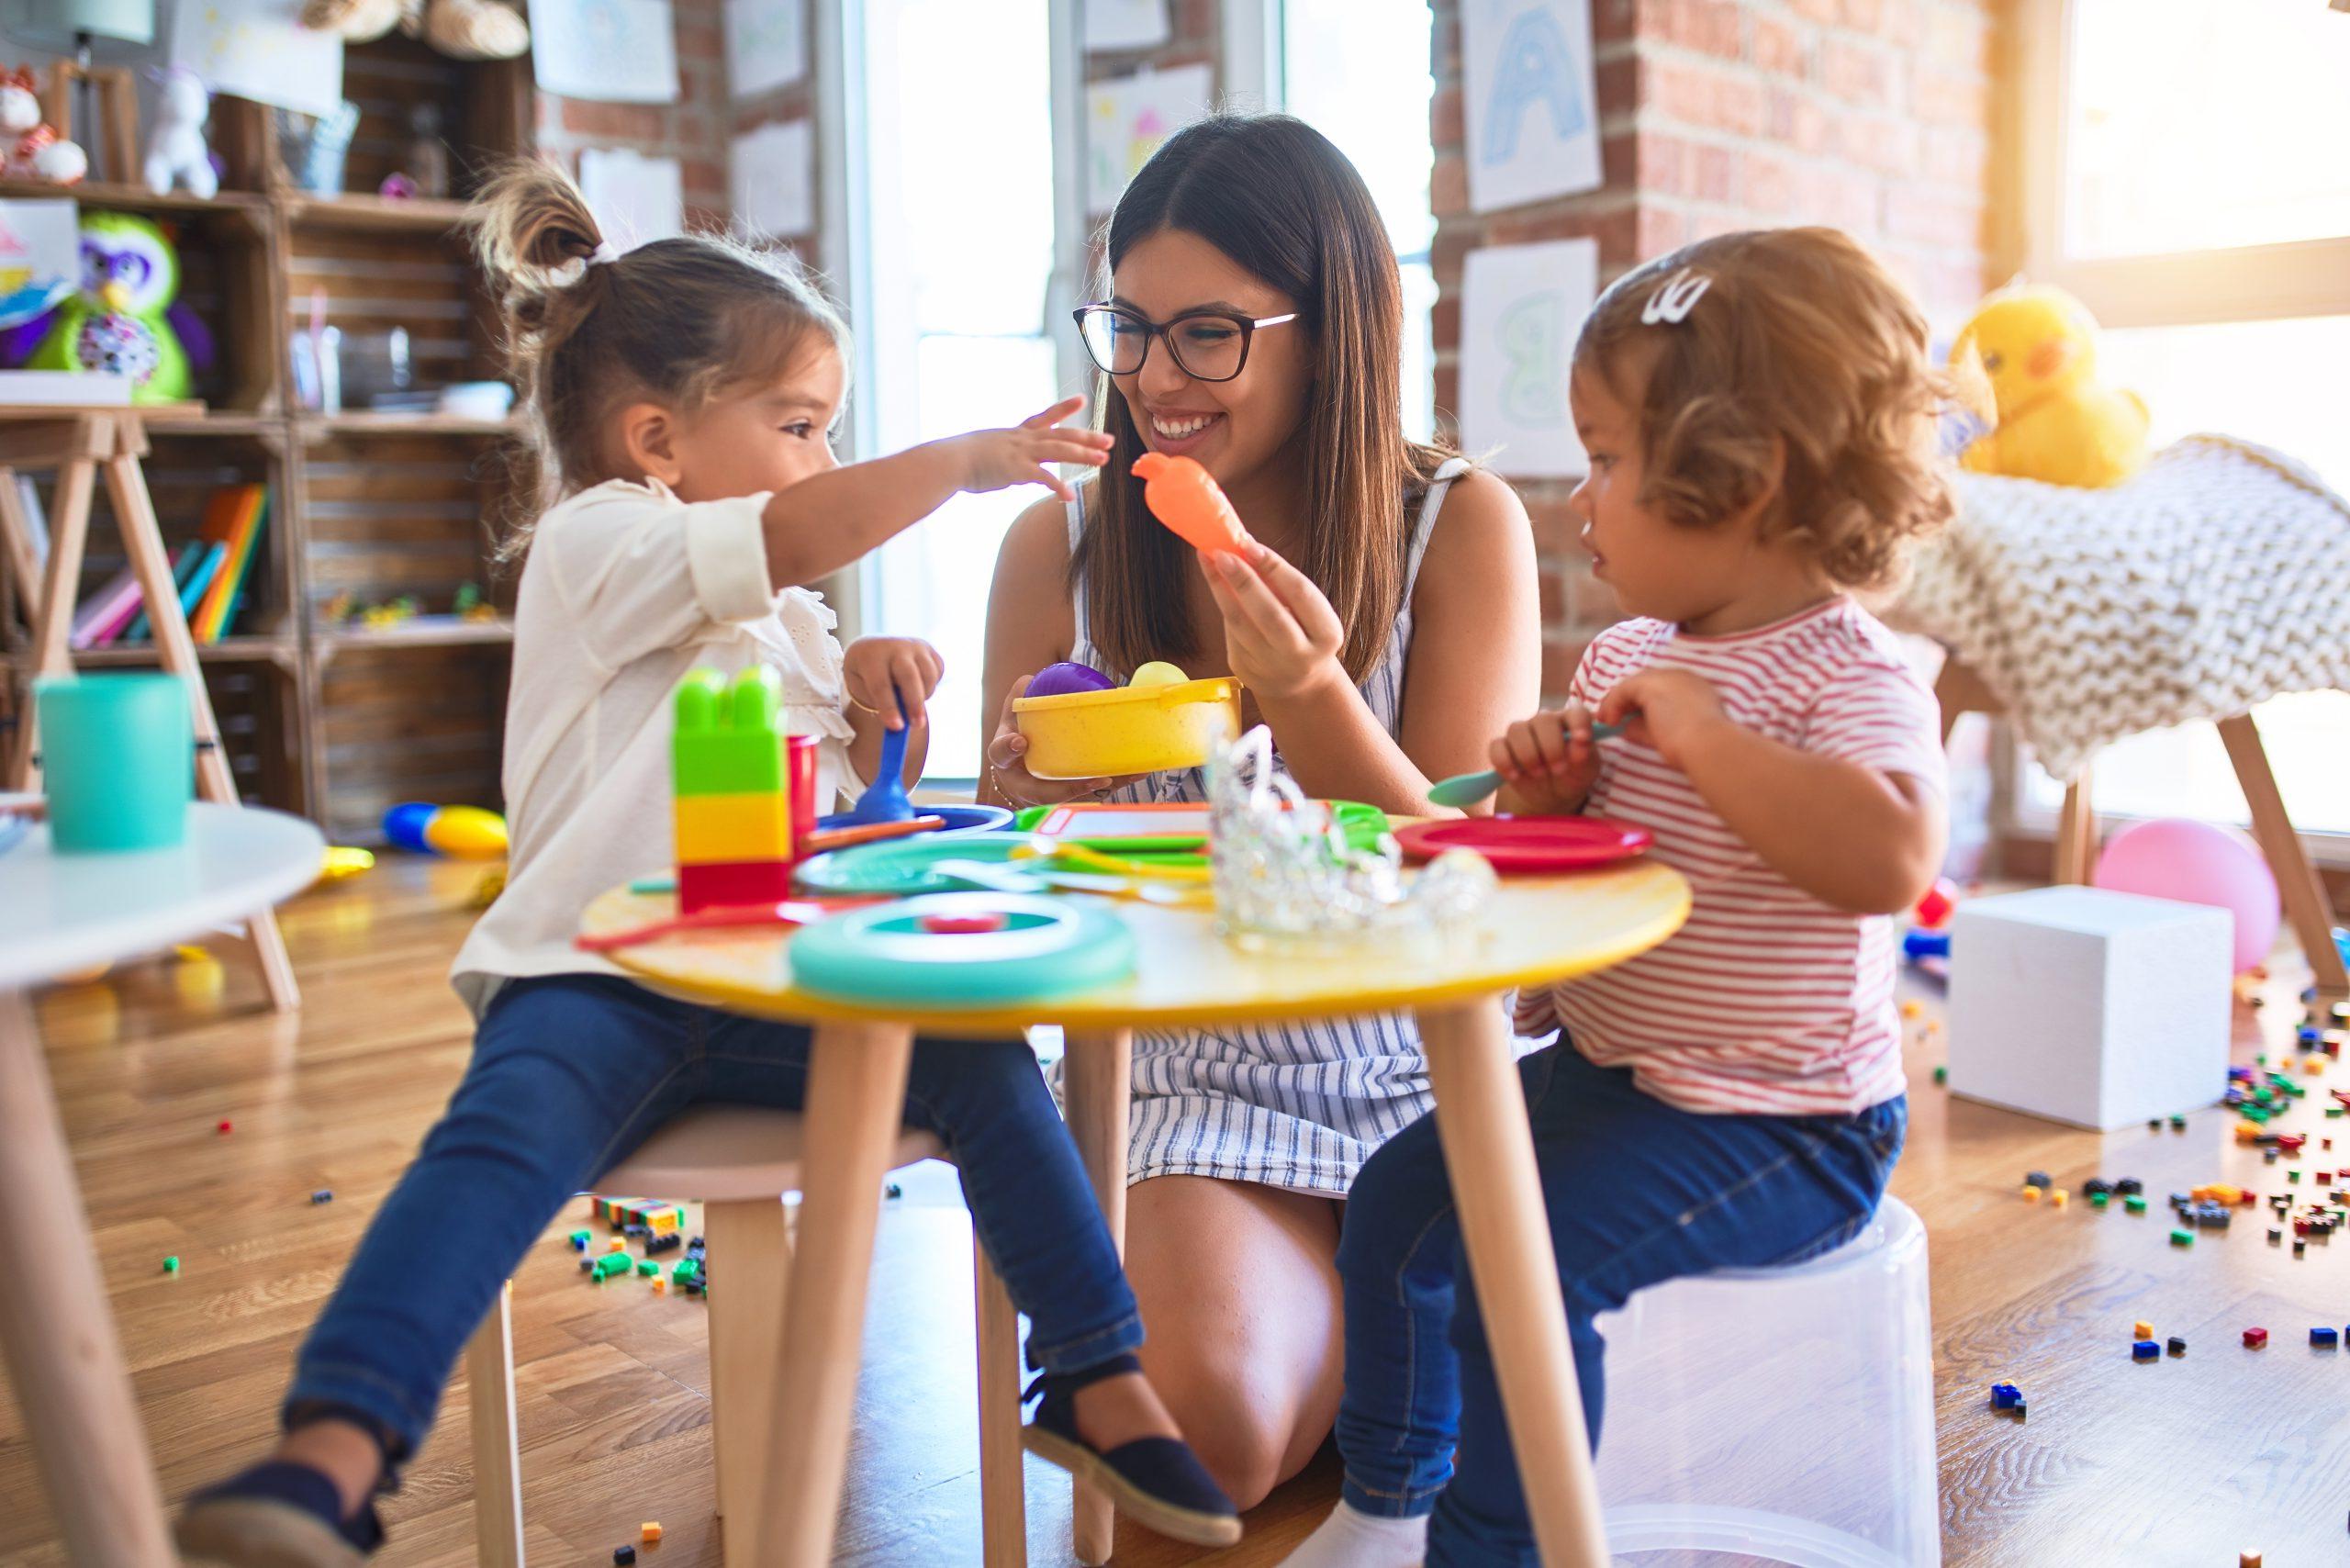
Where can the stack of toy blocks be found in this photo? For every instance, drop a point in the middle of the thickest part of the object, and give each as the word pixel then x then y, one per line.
pixel 657 1218
pixel 734 805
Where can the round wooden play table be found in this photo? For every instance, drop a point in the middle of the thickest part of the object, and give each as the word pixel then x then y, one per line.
pixel 1533 930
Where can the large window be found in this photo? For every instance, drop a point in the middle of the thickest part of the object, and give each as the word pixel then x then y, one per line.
pixel 2185 171
pixel 954 336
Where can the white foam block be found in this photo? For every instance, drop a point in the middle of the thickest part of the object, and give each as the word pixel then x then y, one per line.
pixel 2089 1007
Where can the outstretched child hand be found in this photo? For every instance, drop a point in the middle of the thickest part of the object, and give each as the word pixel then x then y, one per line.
pixel 1548 763
pixel 996 460
pixel 875 667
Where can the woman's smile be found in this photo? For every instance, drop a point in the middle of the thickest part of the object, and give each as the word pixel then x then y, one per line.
pixel 1179 433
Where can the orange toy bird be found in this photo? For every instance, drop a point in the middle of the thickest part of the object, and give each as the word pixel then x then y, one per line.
pixel 1186 497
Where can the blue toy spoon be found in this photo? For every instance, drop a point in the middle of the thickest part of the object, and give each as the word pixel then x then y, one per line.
pixel 884 799
pixel 1468 788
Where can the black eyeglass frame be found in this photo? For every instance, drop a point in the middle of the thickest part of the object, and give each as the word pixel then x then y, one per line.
pixel 1155 330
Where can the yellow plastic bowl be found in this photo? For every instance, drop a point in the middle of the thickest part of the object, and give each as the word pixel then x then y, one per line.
pixel 1133 729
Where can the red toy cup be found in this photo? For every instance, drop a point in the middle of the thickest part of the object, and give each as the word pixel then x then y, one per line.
pixel 800 771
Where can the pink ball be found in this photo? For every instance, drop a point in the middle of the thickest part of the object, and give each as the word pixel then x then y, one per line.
pixel 2196 862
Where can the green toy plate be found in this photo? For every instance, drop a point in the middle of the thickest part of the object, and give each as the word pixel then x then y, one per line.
pixel 900 867
pixel 962 950
pixel 1363 825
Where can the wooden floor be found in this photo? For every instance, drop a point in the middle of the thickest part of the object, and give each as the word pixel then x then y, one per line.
pixel 2185 1462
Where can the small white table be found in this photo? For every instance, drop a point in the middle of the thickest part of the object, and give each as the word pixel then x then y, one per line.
pixel 59 913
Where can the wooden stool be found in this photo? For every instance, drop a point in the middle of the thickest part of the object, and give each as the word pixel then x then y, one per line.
pixel 739 1161
pixel 77 443
pixel 1960 690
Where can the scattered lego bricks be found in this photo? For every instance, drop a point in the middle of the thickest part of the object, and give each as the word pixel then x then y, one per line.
pixel 2325 1338
pixel 650 1531
pixel 2007 1399
pixel 2142 1329
pixel 170 1265
pixel 227 1128
pixel 2175 1346
pixel 2254 1338
pixel 2144 1350
pixel 322 1196
pixel 623 1554
pixel 2182 1238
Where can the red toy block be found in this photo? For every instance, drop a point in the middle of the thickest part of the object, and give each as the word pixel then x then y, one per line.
pixel 2254 1337
pixel 733 882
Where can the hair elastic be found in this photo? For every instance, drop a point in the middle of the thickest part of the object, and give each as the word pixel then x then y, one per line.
pixel 1675 297
pixel 603 252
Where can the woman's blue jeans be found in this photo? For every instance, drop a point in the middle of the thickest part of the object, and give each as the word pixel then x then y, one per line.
pixel 569 1074
pixel 1638 1192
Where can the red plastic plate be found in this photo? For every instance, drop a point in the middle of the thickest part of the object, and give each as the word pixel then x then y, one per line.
pixel 1528 844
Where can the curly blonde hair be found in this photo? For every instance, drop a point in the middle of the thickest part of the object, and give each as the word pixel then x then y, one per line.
pixel 1802 359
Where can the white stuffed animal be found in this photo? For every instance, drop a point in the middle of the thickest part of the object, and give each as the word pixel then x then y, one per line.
pixel 175 149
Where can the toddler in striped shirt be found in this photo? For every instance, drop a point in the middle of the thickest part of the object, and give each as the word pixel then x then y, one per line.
pixel 1758 409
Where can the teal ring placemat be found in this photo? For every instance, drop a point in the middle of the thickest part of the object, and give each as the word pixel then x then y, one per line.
pixel 880 954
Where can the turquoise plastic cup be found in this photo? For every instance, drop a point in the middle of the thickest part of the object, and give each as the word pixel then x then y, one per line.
pixel 118 761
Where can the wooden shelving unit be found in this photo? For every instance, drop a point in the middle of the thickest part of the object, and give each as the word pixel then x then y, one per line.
pixel 338 721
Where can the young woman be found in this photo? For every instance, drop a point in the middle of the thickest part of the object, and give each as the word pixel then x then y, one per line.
pixel 1386 629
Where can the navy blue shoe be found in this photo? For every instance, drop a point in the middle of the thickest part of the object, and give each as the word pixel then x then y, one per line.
pixel 276 1516
pixel 1157 1481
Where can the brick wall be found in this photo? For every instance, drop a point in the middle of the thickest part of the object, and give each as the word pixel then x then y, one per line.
pixel 1874 115
pixel 693 129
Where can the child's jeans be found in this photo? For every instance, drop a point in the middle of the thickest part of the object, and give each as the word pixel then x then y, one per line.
pixel 570 1073
pixel 1638 1192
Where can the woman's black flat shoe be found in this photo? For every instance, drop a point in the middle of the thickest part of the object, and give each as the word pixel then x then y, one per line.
pixel 1157 1481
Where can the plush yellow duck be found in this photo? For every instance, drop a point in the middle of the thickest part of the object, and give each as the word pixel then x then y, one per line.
pixel 2058 423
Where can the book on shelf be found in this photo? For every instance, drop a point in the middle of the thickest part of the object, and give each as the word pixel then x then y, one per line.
pixel 143 626
pixel 233 521
pixel 102 615
pixel 64 388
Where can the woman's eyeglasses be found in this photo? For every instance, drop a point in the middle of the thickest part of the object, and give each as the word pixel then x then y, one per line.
pixel 1208 345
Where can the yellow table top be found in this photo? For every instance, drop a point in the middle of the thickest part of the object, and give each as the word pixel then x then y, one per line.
pixel 1533 930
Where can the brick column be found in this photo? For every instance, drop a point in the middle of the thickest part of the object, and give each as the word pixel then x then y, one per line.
pixel 1872 116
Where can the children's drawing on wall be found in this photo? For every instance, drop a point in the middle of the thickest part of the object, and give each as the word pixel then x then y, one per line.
pixel 767 44
pixel 1126 24
pixel 1126 120
pixel 773 174
pixel 616 52
pixel 1521 306
pixel 1532 111
pixel 39 259
pixel 259 49
pixel 637 199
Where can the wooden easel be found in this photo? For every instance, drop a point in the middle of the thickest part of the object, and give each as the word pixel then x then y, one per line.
pixel 1961 690
pixel 78 443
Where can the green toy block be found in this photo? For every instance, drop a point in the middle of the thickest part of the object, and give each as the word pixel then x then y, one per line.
pixel 2097 1200
pixel 170 1265
pixel 646 1268
pixel 730 735
pixel 581 1238
pixel 1941 1075
pixel 685 1268
pixel 2134 1203
pixel 612 1263
pixel 2182 1238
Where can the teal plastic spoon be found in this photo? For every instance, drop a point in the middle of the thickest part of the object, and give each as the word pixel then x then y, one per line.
pixel 1468 788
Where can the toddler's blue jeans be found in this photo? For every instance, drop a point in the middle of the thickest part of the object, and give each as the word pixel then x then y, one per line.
pixel 1638 1192
pixel 569 1074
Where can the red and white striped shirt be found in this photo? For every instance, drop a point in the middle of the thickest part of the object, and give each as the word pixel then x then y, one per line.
pixel 1767 1000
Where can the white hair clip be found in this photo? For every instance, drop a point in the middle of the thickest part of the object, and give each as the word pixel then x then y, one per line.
pixel 1675 297
pixel 603 253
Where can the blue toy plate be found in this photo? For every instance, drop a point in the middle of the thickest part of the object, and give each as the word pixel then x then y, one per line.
pixel 959 819
pixel 890 953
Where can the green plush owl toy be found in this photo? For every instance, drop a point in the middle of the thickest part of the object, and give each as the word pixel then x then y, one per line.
pixel 117 323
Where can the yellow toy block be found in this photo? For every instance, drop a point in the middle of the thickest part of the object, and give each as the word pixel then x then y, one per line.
pixel 650 1531
pixel 662 1221
pixel 715 829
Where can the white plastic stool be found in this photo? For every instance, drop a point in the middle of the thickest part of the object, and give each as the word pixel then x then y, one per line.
pixel 738 1161
pixel 1785 1413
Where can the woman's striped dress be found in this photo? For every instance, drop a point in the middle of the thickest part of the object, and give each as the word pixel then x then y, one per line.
pixel 1294 1105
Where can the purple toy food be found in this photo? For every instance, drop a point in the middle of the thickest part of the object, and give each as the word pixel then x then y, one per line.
pixel 1065 679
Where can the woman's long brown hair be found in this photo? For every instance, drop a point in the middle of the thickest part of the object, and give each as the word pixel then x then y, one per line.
pixel 1272 193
